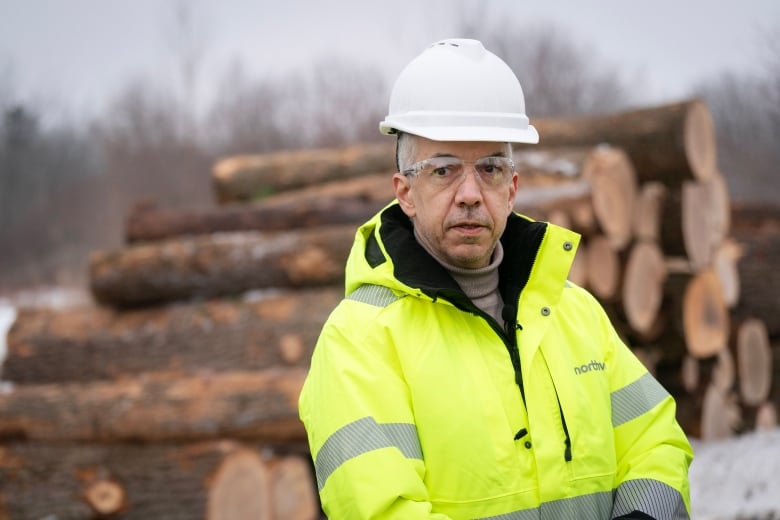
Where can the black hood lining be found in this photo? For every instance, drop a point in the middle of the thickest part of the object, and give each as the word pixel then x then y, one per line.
pixel 416 268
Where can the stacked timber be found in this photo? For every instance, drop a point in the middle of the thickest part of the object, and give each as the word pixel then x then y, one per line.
pixel 660 254
pixel 175 394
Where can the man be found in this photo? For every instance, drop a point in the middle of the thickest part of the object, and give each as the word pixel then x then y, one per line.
pixel 449 381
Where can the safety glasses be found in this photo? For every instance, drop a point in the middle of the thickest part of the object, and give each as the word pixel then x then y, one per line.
pixel 442 172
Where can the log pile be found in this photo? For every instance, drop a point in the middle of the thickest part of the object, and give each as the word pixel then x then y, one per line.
pixel 174 395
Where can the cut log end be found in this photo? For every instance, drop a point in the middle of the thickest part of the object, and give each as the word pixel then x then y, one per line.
pixel 766 417
pixel 105 497
pixel 603 267
pixel 705 316
pixel 614 191
pixel 648 211
pixel 725 264
pixel 291 348
pixel 699 140
pixel 240 488
pixel 643 285
pixel 720 415
pixel 293 489
pixel 754 362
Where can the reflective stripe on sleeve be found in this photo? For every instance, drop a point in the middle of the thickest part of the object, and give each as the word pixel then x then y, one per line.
pixel 595 506
pixel 652 497
pixel 360 437
pixel 376 295
pixel 638 398
pixel 649 496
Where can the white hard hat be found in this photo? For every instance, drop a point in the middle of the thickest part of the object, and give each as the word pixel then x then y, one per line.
pixel 456 90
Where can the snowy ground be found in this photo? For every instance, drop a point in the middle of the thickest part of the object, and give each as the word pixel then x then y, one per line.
pixel 735 479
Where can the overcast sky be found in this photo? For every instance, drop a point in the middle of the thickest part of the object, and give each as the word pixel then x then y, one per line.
pixel 79 53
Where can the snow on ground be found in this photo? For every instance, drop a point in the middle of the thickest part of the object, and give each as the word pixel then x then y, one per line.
pixel 734 479
pixel 738 478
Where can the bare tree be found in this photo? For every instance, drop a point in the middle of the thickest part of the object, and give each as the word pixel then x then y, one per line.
pixel 148 155
pixel 247 115
pixel 187 38
pixel 333 103
pixel 340 102
pixel 560 76
pixel 746 110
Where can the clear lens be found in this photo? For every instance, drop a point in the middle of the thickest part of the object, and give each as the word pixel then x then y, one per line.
pixel 493 171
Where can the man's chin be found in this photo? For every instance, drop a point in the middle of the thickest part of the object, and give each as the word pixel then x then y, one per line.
pixel 471 257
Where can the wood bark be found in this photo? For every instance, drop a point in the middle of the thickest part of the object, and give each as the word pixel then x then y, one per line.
pixel 98 343
pixel 158 407
pixel 219 265
pixel 668 143
pixel 759 276
pixel 377 187
pixel 174 481
pixel 148 223
pixel 250 177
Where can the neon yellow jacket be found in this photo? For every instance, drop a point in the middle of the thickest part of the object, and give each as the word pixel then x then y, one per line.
pixel 419 405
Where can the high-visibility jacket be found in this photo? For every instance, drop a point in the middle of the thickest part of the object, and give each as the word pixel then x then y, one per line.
pixel 420 405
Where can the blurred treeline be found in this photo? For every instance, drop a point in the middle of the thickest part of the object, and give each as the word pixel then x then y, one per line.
pixel 67 186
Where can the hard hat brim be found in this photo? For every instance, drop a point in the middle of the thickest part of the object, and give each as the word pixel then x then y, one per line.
pixel 472 133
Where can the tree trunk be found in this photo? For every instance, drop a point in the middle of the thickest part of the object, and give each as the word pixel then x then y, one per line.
pixel 219 265
pixel 600 177
pixel 147 223
pixel 687 225
pixel 669 143
pixel 174 481
pixel 159 407
pixel 97 343
pixel 250 177
pixel 759 276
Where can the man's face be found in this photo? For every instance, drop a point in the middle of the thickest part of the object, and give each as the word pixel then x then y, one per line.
pixel 461 221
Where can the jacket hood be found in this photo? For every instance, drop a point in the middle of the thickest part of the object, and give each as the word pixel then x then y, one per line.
pixel 386 253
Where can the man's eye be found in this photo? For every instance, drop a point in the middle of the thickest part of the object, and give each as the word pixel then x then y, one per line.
pixel 442 171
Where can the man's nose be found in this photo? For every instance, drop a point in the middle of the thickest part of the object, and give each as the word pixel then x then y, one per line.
pixel 469 189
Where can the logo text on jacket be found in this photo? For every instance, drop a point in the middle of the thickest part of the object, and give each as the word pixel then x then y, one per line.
pixel 593 365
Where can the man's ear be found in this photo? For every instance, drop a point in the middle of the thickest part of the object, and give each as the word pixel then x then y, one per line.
pixel 403 188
